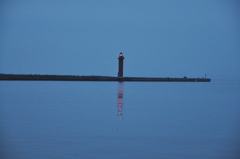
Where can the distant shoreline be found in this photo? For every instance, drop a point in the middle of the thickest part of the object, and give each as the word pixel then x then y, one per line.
pixel 32 77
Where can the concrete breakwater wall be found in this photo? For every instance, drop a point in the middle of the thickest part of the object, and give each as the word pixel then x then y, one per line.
pixel 55 77
pixel 31 77
pixel 167 79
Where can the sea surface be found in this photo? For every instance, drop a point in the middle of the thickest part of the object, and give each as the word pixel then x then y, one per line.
pixel 112 120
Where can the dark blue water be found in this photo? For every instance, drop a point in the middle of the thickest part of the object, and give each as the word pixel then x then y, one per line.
pixel 106 120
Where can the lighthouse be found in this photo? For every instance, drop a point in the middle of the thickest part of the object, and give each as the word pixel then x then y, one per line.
pixel 120 65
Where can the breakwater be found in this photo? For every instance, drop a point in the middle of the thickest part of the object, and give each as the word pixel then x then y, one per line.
pixel 32 77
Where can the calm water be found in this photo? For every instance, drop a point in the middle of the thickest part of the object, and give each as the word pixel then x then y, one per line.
pixel 111 120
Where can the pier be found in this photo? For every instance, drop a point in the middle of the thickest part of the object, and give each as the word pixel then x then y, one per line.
pixel 119 78
pixel 31 77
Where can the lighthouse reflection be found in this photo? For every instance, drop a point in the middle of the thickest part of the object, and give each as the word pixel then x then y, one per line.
pixel 120 101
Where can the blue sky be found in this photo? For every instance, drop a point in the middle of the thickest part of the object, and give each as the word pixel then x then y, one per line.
pixel 159 38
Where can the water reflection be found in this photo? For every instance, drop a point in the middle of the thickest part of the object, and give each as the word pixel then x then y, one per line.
pixel 120 101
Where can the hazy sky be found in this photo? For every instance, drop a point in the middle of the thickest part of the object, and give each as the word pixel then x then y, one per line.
pixel 164 38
